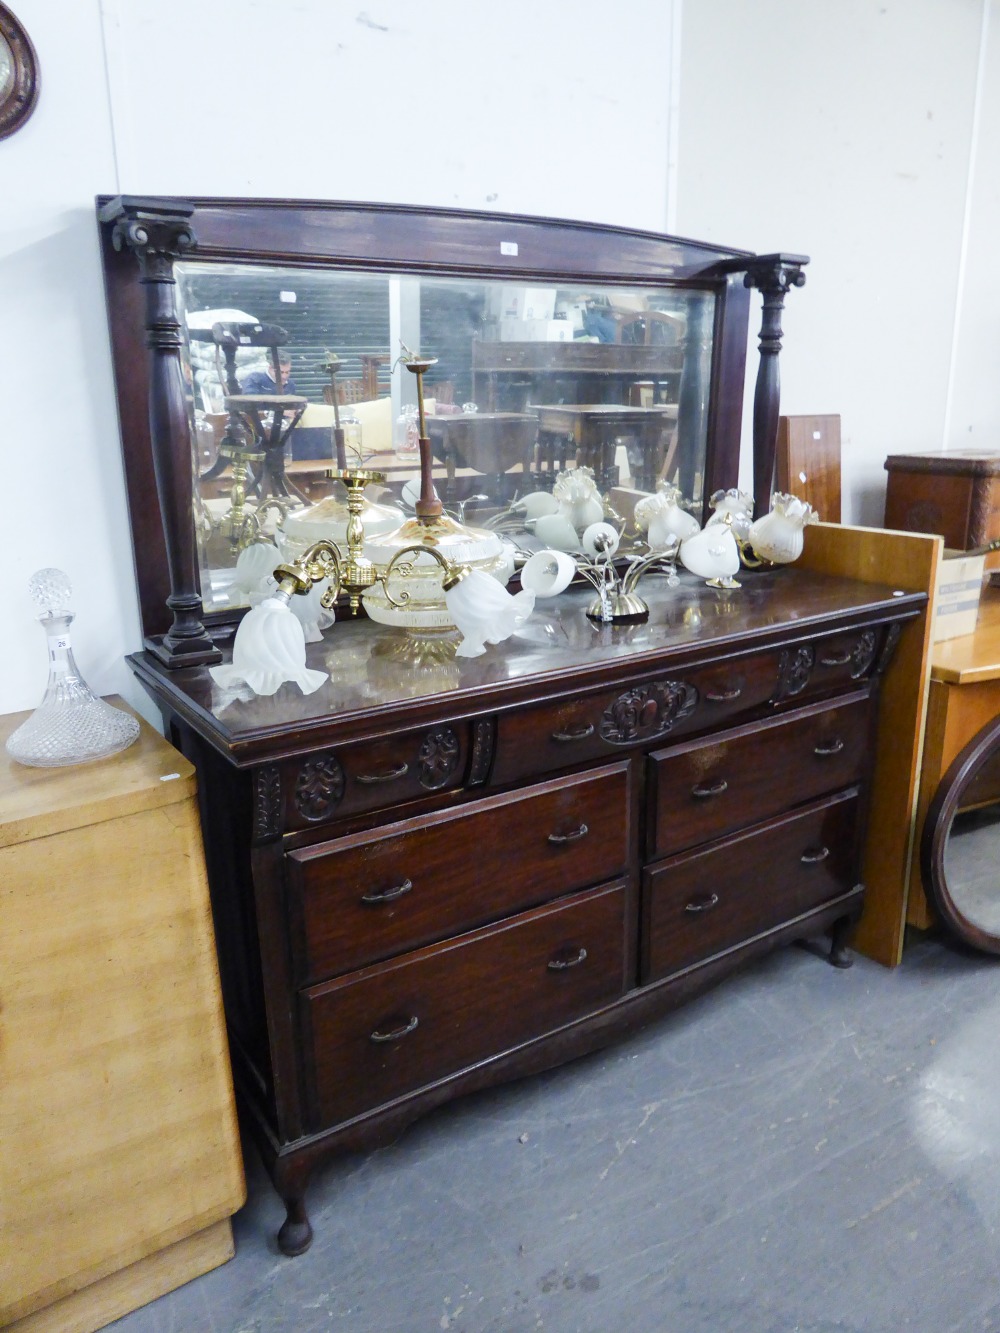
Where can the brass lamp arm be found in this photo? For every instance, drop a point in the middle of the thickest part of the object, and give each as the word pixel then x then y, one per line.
pixel 453 574
pixel 322 560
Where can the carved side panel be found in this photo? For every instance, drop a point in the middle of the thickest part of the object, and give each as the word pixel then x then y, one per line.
pixel 484 732
pixel 319 788
pixel 267 803
pixel 438 757
pixel 888 647
pixel 794 669
pixel 647 711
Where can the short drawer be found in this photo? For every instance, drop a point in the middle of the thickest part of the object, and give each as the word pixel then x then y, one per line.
pixel 704 789
pixel 698 905
pixel 368 896
pixel 371 775
pixel 545 737
pixel 383 1032
pixel 828 663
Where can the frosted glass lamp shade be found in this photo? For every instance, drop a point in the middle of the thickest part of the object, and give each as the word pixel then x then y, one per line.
pixel 600 539
pixel 712 554
pixel 485 612
pixel 269 649
pixel 548 573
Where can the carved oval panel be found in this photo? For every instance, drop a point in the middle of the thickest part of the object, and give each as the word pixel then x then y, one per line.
pixel 647 711
pixel 438 757
pixel 794 670
pixel 863 654
pixel 319 788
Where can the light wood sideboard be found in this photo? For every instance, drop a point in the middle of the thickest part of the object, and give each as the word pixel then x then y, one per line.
pixel 120 1162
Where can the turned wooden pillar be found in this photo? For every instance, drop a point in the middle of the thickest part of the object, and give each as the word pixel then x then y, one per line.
pixel 772 275
pixel 158 236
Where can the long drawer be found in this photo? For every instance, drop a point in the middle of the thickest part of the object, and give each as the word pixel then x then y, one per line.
pixel 700 904
pixel 705 789
pixel 362 898
pixel 550 736
pixel 382 1032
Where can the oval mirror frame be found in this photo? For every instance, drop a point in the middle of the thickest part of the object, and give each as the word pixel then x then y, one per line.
pixel 18 100
pixel 946 803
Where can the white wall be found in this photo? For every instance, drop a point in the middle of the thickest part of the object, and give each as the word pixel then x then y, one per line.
pixel 538 108
pixel 845 131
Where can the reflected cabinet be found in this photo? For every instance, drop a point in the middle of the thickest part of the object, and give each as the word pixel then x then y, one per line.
pixel 436 872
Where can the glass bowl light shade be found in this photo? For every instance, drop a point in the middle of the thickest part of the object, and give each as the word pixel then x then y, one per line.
pixel 712 554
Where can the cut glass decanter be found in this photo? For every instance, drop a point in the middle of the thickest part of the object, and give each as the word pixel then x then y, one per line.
pixel 71 725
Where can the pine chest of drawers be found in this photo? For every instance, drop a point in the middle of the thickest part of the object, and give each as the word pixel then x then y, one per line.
pixel 433 875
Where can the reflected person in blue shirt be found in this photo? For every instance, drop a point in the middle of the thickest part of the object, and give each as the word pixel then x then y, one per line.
pixel 262 381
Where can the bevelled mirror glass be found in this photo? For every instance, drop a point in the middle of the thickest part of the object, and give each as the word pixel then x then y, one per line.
pixel 532 382
pixel 961 843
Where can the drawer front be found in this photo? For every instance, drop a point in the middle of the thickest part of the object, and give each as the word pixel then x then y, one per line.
pixel 371 775
pixel 831 662
pixel 379 1034
pixel 705 789
pixel 698 905
pixel 556 735
pixel 369 896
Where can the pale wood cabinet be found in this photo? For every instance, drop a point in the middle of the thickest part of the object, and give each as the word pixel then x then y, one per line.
pixel 120 1163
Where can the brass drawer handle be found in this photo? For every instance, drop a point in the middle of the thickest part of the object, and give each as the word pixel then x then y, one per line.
pixel 390 775
pixel 723 696
pixel 814 858
pixel 836 659
pixel 577 734
pixel 827 748
pixel 375 897
pixel 564 960
pixel 395 1034
pixel 703 905
pixel 557 839
pixel 714 789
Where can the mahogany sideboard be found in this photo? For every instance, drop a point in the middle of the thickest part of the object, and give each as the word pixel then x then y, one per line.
pixel 433 874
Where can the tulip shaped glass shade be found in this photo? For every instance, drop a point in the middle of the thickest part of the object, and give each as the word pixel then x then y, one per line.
pixel 661 517
pixel 485 612
pixel 712 554
pixel 71 725
pixel 778 536
pixel 600 540
pixel 269 649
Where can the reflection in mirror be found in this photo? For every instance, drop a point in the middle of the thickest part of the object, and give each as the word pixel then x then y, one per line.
pixel 6 69
pixel 291 371
pixel 972 866
pixel 960 849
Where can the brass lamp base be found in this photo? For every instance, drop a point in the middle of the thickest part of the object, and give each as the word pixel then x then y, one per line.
pixel 621 606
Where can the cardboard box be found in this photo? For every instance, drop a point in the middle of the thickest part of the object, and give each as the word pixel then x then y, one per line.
pixel 960 582
pixel 536 331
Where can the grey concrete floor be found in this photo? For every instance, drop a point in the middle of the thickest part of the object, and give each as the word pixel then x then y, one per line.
pixel 800 1151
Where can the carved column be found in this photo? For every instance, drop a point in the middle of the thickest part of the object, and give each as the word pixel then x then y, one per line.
pixel 772 275
pixel 158 236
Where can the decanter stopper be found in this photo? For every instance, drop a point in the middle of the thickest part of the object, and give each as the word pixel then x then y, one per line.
pixel 71 725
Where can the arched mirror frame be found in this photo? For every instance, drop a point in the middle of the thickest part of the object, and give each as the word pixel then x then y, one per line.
pixel 17 104
pixel 937 828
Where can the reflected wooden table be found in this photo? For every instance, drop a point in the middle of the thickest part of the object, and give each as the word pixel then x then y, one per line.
pixel 487 443
pixel 593 432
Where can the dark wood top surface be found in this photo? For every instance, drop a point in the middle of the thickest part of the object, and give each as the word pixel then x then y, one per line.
pixel 968 462
pixel 559 650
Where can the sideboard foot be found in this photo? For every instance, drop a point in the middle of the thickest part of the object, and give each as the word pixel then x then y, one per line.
pixel 296 1233
pixel 840 955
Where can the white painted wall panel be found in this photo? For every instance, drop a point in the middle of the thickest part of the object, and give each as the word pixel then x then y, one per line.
pixel 842 131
